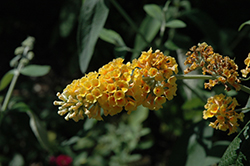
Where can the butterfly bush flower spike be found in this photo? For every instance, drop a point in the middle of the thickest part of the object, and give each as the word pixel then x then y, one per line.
pixel 148 81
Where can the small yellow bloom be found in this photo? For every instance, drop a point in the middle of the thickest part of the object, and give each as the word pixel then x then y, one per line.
pixel 158 91
pixel 130 106
pixel 152 72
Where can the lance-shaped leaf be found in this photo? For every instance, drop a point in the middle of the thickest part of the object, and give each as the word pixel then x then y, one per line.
pixel 112 37
pixel 149 28
pixel 176 24
pixel 39 130
pixel 35 70
pixel 154 11
pixel 6 79
pixel 92 19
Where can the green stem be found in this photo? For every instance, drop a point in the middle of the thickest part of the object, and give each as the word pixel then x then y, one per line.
pixel 202 98
pixel 207 77
pixel 203 77
pixel 244 110
pixel 14 80
pixel 12 85
pixel 245 88
pixel 128 19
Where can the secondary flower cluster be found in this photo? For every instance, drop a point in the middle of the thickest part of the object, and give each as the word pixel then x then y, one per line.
pixel 222 68
pixel 247 69
pixel 147 81
pixel 223 108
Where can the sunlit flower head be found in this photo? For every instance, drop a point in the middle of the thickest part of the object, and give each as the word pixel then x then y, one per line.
pixel 157 72
pixel 148 81
pixel 223 108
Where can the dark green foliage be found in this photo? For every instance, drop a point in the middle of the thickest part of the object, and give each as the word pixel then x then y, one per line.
pixel 68 44
pixel 91 21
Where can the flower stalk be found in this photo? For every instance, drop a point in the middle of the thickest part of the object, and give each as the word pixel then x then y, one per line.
pixel 27 46
pixel 12 85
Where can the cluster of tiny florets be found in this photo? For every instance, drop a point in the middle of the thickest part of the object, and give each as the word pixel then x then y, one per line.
pixel 247 69
pixel 156 76
pixel 223 108
pixel 222 68
pixel 147 81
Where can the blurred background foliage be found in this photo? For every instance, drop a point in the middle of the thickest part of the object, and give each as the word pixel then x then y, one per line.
pixel 175 135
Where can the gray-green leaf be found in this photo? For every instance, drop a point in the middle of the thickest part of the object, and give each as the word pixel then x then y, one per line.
pixel 35 70
pixel 92 19
pixel 154 11
pixel 39 130
pixel 149 28
pixel 176 24
pixel 112 37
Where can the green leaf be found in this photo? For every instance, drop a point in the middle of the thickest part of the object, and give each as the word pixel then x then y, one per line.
pixel 6 79
pixel 192 109
pixel 112 37
pixel 196 152
pixel 176 24
pixel 230 155
pixel 83 143
pixel 89 123
pixel 35 70
pixel 169 44
pixel 199 142
pixel 20 106
pixel 238 152
pixel 248 102
pixel 247 107
pixel 93 16
pixel 15 60
pixel 68 17
pixel 242 25
pixel 81 158
pixel 149 28
pixel 17 160
pixel 193 103
pixel 39 130
pixel 138 116
pixel 185 4
pixel 154 11
pixel 192 146
pixel 71 141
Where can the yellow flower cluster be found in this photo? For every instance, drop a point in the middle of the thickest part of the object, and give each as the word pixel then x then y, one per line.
pixel 155 72
pixel 222 68
pixel 223 108
pixel 147 81
pixel 247 69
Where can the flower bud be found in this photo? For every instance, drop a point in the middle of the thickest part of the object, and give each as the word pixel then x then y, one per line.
pixel 19 50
